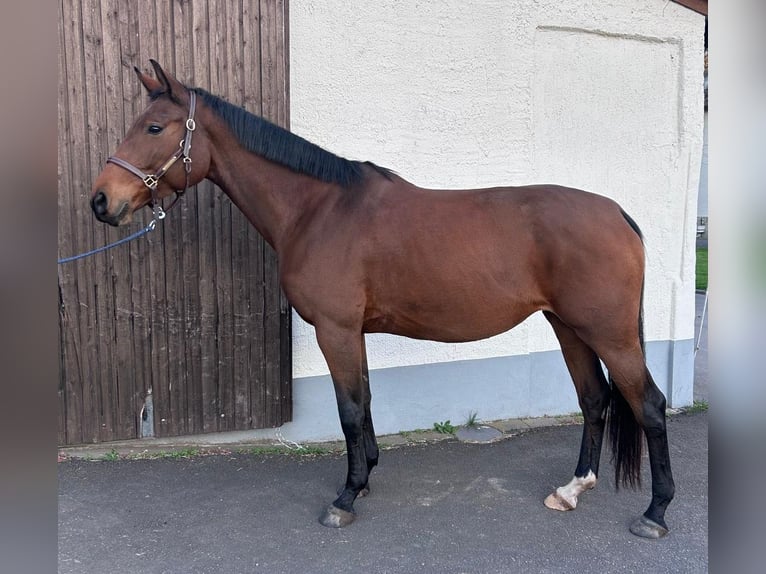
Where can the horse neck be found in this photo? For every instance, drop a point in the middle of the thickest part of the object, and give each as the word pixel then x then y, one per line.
pixel 272 197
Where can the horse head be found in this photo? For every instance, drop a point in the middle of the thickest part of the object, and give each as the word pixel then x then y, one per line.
pixel 156 157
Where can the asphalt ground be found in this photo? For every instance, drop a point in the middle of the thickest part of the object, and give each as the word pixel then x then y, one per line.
pixel 440 506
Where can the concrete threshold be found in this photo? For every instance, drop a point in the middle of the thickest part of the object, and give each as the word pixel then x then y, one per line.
pixel 238 442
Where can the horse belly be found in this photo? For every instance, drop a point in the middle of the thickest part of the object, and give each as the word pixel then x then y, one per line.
pixel 451 317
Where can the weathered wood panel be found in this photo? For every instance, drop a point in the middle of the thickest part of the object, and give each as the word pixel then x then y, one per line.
pixel 192 313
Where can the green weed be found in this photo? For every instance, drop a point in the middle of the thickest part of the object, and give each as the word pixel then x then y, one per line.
pixel 697 407
pixel 444 427
pixel 112 455
pixel 301 451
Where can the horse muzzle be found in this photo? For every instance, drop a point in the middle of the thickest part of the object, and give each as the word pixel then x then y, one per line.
pixel 99 203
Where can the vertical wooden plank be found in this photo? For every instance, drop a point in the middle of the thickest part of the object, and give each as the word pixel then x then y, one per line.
pixel 138 283
pixel 103 286
pixel 251 47
pixel 70 384
pixel 80 143
pixel 64 234
pixel 285 330
pixel 68 107
pixel 269 112
pixel 211 381
pixel 61 411
pixel 240 401
pixel 253 255
pixel 205 230
pixel 149 288
pixel 271 33
pixel 226 24
pixel 282 59
pixel 191 238
pixel 125 396
pixel 177 422
pixel 268 59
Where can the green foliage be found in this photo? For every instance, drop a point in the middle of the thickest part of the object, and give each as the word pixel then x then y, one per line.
pixel 701 280
pixel 697 407
pixel 444 427
pixel 186 453
pixel 112 455
pixel 302 451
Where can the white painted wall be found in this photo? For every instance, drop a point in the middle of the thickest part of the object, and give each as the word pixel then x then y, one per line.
pixel 603 95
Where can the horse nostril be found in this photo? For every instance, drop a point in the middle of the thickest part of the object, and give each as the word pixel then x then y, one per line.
pixel 99 203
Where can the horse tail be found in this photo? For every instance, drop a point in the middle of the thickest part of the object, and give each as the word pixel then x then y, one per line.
pixel 625 433
pixel 626 440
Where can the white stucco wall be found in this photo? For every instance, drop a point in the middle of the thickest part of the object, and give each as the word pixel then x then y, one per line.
pixel 603 95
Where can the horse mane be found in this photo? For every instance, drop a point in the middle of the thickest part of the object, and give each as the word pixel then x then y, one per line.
pixel 283 147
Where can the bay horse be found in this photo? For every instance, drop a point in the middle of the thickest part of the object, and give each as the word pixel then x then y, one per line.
pixel 361 250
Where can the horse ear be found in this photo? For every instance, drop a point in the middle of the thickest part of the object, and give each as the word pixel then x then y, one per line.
pixel 149 83
pixel 169 82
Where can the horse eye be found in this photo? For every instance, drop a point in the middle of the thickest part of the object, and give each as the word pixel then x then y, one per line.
pixel 154 129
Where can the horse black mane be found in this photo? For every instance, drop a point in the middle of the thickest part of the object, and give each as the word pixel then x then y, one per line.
pixel 281 146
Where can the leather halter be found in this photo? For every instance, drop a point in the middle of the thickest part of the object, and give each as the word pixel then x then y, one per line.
pixel 152 180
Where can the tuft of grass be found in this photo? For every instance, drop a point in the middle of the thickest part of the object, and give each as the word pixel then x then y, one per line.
pixel 701 279
pixel 112 455
pixel 302 451
pixel 444 427
pixel 186 453
pixel 472 422
pixel 697 407
pixel 197 452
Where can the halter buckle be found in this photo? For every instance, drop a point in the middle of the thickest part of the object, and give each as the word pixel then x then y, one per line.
pixel 191 125
pixel 151 182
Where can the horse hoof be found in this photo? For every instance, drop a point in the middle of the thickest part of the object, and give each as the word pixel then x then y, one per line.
pixel 557 502
pixel 334 517
pixel 647 528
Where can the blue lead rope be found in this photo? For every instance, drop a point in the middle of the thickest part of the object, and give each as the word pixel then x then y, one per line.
pixel 136 235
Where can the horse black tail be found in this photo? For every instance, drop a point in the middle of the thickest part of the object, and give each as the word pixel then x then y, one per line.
pixel 626 436
pixel 626 439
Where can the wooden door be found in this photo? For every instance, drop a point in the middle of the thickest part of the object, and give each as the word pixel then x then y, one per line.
pixel 192 314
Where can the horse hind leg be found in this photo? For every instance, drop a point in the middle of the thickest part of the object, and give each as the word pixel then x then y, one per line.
pixel 637 404
pixel 593 396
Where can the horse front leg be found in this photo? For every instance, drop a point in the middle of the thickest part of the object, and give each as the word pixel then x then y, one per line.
pixel 343 349
pixel 370 441
pixel 371 450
